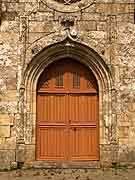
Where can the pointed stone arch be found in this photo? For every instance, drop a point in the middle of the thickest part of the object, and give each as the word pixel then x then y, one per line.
pixel 84 54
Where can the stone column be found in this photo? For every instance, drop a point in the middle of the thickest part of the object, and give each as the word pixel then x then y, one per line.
pixel 20 149
pixel 112 36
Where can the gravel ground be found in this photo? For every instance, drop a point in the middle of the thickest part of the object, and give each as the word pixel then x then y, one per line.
pixel 91 174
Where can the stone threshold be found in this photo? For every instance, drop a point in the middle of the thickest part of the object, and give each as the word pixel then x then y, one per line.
pixel 62 165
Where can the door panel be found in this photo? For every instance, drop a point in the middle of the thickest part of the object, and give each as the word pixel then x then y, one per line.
pixel 52 109
pixel 52 145
pixel 83 108
pixel 83 143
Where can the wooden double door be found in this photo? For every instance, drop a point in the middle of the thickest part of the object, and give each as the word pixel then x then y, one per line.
pixel 67 113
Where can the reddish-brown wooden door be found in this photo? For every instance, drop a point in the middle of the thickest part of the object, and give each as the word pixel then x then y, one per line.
pixel 67 113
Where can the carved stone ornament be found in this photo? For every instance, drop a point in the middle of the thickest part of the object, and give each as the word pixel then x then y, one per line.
pixel 67 2
pixel 68 5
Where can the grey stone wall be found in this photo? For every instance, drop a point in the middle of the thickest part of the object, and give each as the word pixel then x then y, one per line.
pixel 107 26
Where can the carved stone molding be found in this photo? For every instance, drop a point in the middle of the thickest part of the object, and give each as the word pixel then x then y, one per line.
pixel 68 5
pixel 23 28
pixel 112 32
pixel 70 48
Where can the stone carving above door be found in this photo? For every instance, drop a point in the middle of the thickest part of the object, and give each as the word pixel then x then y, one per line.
pixel 68 5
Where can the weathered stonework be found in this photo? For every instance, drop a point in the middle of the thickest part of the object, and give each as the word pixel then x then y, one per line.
pixel 100 34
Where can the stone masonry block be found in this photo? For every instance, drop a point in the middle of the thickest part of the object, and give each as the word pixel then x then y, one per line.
pixel 8 143
pixel 123 131
pixel 87 25
pixel 40 26
pixel 6 156
pixel 5 131
pixel 4 119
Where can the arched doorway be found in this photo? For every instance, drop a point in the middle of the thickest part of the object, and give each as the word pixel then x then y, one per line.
pixel 67 113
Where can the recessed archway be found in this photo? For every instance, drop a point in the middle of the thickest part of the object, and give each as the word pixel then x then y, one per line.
pixel 93 62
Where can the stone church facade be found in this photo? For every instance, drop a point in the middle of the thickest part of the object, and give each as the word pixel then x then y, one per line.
pixel 99 34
